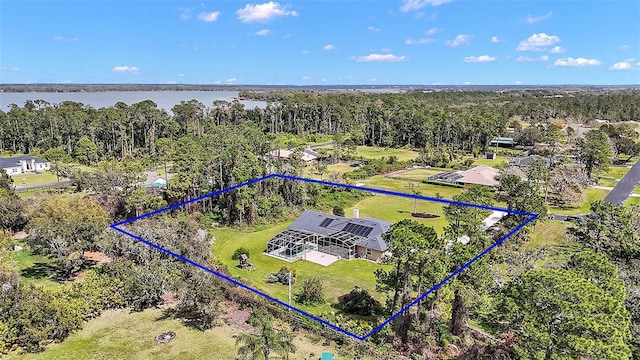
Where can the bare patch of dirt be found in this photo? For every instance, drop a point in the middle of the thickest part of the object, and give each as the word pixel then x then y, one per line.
pixel 98 257
pixel 235 317
pixel 20 235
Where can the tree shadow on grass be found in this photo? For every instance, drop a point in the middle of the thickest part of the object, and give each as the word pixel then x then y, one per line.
pixel 40 270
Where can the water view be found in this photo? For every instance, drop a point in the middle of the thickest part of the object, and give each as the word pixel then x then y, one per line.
pixel 165 99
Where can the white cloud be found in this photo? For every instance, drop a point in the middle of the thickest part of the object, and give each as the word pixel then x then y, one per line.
pixel 287 36
pixel 263 12
pixel 126 69
pixel 479 59
pixel 409 5
pixel 557 50
pixel 305 52
pixel 495 39
pixel 518 82
pixel 459 40
pixel 209 16
pixel 306 78
pixel 578 62
pixel 329 47
pixel 624 47
pixel 324 80
pixel 538 42
pixel 528 59
pixel 373 28
pixel 411 41
pixel 622 65
pixel 67 39
pixel 536 19
pixel 263 32
pixel 432 31
pixel 230 80
pixel 467 83
pixel 10 68
pixel 385 50
pixel 380 58
pixel 185 13
pixel 180 75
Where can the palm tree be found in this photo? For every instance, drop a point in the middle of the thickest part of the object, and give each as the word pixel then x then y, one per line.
pixel 268 338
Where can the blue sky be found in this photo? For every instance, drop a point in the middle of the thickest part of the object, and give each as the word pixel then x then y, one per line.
pixel 320 42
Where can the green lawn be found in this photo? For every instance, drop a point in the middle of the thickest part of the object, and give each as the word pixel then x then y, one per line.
pixel 616 172
pixel 547 234
pixel 340 168
pixel 394 208
pixel 373 152
pixel 418 174
pixel 499 160
pixel 130 336
pixel 381 182
pixel 34 179
pixel 583 208
pixel 35 269
pixel 632 201
pixel 340 277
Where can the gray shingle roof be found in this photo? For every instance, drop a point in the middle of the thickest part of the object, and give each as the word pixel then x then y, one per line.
pixel 15 161
pixel 319 223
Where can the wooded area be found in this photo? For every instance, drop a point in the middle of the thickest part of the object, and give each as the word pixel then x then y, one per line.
pixel 575 298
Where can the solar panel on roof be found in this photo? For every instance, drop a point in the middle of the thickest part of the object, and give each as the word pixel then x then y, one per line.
pixel 359 230
pixel 369 230
pixel 326 222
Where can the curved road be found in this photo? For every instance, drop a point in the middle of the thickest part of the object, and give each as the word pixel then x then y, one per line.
pixel 624 188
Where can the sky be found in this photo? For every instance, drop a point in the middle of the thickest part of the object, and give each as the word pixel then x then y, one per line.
pixel 321 42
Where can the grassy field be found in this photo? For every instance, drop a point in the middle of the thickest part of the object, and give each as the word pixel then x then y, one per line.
pixel 340 168
pixel 393 209
pixel 340 277
pixel 500 159
pixel 612 176
pixel 35 269
pixel 381 182
pixel 583 208
pixel 34 179
pixel 633 201
pixel 547 234
pixel 418 174
pixel 372 152
pixel 122 335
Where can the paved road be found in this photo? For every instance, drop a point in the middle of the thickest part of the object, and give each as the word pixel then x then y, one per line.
pixel 624 188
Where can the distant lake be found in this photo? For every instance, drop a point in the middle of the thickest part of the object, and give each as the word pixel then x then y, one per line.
pixel 165 99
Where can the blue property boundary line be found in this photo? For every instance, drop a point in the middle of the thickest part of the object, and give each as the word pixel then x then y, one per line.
pixel 531 217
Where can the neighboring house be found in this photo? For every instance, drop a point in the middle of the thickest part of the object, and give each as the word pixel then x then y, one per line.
pixel 526 160
pixel 156 181
pixel 307 157
pixel 502 141
pixel 345 238
pixel 24 164
pixel 479 175
pixel 522 160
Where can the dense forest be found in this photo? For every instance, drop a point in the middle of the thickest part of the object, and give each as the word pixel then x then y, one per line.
pixel 580 300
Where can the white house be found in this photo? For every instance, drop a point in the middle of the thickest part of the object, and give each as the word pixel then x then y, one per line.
pixel 24 164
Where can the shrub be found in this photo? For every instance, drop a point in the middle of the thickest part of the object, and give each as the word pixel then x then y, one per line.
pixel 239 251
pixel 338 211
pixel 311 292
pixel 360 302
pixel 282 276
